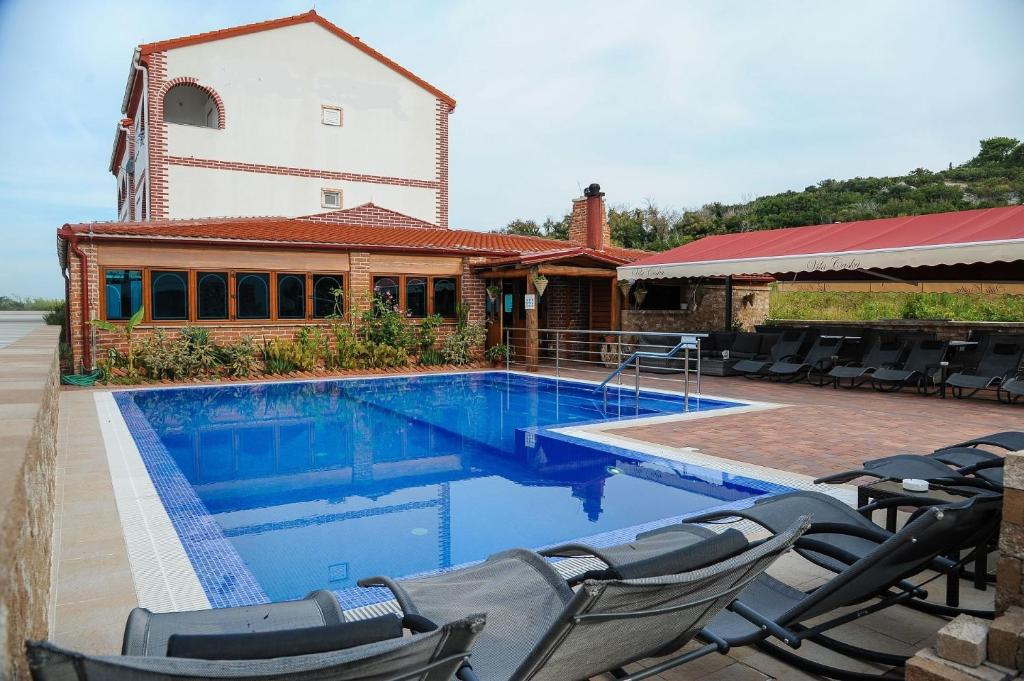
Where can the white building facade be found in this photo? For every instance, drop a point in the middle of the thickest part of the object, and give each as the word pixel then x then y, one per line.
pixel 287 118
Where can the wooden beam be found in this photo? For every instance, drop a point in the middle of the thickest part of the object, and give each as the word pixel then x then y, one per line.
pixel 502 274
pixel 574 271
pixel 616 306
pixel 532 329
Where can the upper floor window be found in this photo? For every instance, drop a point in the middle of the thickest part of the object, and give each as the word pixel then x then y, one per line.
pixel 191 105
pixel 330 115
pixel 330 198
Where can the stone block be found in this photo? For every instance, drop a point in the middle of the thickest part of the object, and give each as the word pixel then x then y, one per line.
pixel 1013 506
pixel 927 666
pixel 1006 639
pixel 1011 540
pixel 963 640
pixel 1013 470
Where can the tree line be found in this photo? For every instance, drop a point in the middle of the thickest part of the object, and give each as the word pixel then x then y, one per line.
pixel 994 177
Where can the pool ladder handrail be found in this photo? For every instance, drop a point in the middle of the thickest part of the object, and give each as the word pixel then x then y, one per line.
pixel 686 343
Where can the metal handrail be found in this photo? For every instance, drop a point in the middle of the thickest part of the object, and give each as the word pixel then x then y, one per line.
pixel 565 349
pixel 684 344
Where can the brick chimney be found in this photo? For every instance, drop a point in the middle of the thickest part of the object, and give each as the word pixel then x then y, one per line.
pixel 589 224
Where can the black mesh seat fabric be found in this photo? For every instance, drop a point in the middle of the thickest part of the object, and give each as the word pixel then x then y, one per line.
pixel 1014 387
pixel 928 535
pixel 539 629
pixel 904 466
pixel 1012 440
pixel 787 345
pixel 961 457
pixel 818 358
pixel 884 353
pixel 745 345
pixel 646 545
pixel 146 632
pixel 919 367
pixel 999 362
pixel 433 656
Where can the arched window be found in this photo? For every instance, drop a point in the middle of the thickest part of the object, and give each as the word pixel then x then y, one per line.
pixel 252 296
pixel 191 105
pixel 416 296
pixel 445 291
pixel 328 296
pixel 386 290
pixel 169 294
pixel 212 299
pixel 291 296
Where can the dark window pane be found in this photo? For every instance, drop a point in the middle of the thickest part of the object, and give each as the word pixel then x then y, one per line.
pixel 444 297
pixel 386 288
pixel 169 291
pixel 212 295
pixel 416 296
pixel 328 296
pixel 252 293
pixel 291 296
pixel 123 289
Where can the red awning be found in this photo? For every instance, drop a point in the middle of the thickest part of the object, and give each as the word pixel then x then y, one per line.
pixel 971 236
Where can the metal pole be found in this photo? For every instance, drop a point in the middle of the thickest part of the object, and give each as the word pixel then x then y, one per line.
pixel 558 341
pixel 508 349
pixel 698 366
pixel 636 380
pixel 686 380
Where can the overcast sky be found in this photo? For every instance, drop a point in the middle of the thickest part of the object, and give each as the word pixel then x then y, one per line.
pixel 681 102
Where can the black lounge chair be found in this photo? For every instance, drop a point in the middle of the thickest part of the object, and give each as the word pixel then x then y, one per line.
pixel 884 353
pixel 297 640
pixel 1012 440
pixel 1012 390
pixel 861 535
pixel 787 345
pixel 872 569
pixel 815 365
pixel 539 629
pixel 983 476
pixel 919 369
pixel 998 364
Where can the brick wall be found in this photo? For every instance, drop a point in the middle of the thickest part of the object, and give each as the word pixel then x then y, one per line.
pixel 749 308
pixel 578 222
pixel 443 110
pixel 76 311
pixel 159 198
pixel 474 290
pixel 1010 569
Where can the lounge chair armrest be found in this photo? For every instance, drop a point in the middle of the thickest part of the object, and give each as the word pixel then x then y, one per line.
pixel 981 466
pixel 392 586
pixel 787 636
pixel 466 673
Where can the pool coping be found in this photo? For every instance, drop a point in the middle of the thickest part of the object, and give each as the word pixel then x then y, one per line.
pixel 165 577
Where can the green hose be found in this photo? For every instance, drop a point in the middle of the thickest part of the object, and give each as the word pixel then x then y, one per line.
pixel 84 380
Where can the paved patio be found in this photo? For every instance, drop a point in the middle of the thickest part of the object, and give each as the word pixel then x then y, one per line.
pixel 814 432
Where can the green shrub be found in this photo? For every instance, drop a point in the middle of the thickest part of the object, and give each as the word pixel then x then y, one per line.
pixel 430 357
pixel 279 356
pixel 458 348
pixel 383 324
pixel 348 349
pixel 239 359
pixel 870 306
pixel 385 357
pixel 314 347
pixel 497 353
pixel 55 317
pixel 426 332
pixel 195 353
pixel 157 355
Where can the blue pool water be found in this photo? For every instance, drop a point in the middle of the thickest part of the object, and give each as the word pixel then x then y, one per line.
pixel 281 488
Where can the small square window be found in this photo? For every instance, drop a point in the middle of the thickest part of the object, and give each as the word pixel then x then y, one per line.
pixel 330 115
pixel 330 198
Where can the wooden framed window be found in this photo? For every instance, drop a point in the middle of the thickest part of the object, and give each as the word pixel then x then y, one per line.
pixel 211 295
pixel 418 295
pixel 168 295
pixel 122 293
pixel 291 296
pixel 252 295
pixel 328 295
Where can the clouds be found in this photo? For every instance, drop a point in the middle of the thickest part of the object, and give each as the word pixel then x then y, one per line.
pixel 683 102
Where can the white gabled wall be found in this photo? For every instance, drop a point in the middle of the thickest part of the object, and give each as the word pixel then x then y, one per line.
pixel 273 84
pixel 208 192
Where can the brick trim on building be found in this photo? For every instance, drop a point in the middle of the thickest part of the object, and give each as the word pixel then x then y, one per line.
pixel 441 161
pixel 157 205
pixel 370 215
pixel 194 82
pixel 297 172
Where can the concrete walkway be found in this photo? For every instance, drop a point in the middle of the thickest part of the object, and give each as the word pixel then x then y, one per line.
pixel 15 325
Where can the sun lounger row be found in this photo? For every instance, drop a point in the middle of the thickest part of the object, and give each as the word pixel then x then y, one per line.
pixel 887 362
pixel 680 586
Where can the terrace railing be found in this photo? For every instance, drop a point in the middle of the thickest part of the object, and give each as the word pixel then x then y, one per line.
pixel 674 360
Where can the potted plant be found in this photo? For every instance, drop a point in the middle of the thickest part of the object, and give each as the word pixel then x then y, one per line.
pixel 497 354
pixel 639 294
pixel 540 282
pixel 493 291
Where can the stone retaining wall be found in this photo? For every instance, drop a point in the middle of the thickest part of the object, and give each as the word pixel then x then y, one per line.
pixel 29 395
pixel 749 308
pixel 944 330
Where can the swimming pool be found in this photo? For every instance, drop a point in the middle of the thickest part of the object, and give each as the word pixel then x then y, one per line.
pixel 277 489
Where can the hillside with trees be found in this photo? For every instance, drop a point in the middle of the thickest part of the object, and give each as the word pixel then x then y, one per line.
pixel 994 177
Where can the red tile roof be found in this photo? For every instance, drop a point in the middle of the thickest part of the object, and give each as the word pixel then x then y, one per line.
pixel 309 17
pixel 271 231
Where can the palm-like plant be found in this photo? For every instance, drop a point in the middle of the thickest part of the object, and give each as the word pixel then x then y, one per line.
pixel 127 331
